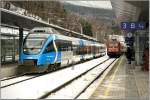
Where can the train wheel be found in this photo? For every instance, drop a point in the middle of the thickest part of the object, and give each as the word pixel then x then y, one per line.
pixel 50 68
pixel 57 66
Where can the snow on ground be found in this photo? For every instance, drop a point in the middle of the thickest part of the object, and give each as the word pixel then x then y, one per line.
pixel 37 87
pixel 14 80
pixel 73 89
pixel 90 90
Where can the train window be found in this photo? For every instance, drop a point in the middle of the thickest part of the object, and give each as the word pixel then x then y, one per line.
pixel 49 48
pixel 63 45
pixel 33 43
pixel 58 44
pixel 66 46
pixel 76 50
pixel 93 49
pixel 83 50
pixel 90 51
pixel 80 50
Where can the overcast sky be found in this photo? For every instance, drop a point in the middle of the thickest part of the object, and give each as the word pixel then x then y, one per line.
pixel 94 4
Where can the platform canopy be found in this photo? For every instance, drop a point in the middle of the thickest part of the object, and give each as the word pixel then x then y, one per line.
pixel 131 10
pixel 12 18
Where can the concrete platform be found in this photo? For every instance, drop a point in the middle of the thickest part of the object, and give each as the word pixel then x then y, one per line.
pixel 125 81
pixel 8 70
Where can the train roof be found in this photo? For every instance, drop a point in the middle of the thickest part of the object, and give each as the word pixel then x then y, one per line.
pixel 48 30
pixel 73 39
pixel 63 37
pixel 53 32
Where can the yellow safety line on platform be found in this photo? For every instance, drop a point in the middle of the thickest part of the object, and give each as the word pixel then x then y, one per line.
pixel 112 78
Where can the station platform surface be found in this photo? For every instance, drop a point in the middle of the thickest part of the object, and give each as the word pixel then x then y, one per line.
pixel 124 82
pixel 8 70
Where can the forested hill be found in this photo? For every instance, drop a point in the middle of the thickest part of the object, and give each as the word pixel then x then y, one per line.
pixel 104 14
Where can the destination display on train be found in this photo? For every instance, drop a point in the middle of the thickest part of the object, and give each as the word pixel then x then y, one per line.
pixel 133 25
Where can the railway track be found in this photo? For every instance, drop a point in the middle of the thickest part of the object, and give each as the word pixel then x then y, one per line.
pixel 94 79
pixel 12 77
pixel 84 81
pixel 24 77
pixel 70 81
pixel 15 80
pixel 21 78
pixel 53 89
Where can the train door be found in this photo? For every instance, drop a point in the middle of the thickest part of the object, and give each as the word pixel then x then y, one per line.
pixel 81 49
pixel 65 47
pixel 50 54
pixel 75 49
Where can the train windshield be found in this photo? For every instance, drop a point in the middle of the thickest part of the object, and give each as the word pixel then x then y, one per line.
pixel 113 44
pixel 34 42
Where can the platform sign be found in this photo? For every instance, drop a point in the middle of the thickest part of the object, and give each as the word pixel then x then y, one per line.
pixel 133 25
pixel 129 35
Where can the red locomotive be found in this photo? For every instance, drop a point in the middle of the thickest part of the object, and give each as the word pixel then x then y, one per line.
pixel 114 48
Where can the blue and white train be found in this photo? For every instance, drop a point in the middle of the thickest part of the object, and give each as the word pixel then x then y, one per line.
pixel 45 49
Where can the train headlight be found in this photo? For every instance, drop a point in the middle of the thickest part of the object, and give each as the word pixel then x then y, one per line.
pixel 24 50
pixel 36 50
